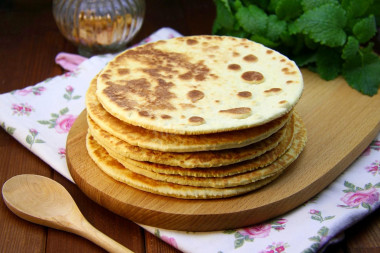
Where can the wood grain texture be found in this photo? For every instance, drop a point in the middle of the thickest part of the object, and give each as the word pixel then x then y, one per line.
pixel 19 21
pixel 340 124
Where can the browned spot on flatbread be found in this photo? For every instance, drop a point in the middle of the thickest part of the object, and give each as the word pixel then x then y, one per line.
pixel 191 42
pixel 105 76
pixel 238 110
pixel 288 71
pixel 159 63
pixel 252 77
pixel 186 76
pixel 269 51
pixel 165 116
pixel 144 114
pixel 237 113
pixel 250 58
pixel 245 94
pixel 156 99
pixel 195 95
pixel 234 66
pixel 235 54
pixel 196 120
pixel 123 71
pixel 273 90
pixel 282 102
pixel 186 106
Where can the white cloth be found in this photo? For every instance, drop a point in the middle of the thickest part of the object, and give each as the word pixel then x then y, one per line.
pixel 41 115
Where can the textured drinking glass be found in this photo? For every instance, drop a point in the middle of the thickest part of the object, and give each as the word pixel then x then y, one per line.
pixel 99 26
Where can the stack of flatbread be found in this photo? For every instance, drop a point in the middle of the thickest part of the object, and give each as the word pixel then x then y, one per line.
pixel 197 117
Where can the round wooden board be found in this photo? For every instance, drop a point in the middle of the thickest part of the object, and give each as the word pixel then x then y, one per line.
pixel 340 123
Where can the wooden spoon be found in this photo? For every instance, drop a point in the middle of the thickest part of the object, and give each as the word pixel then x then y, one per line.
pixel 44 201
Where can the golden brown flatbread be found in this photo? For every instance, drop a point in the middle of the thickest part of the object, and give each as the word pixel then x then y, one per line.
pixel 166 142
pixel 199 84
pixel 202 159
pixel 118 172
pixel 246 173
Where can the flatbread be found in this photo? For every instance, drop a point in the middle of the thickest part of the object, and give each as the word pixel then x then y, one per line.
pixel 118 172
pixel 167 142
pixel 199 84
pixel 204 159
pixel 223 171
pixel 246 172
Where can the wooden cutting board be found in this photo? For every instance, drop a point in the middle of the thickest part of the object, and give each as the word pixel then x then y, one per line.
pixel 340 122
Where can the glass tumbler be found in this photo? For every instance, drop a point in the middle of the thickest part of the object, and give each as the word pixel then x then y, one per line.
pixel 99 26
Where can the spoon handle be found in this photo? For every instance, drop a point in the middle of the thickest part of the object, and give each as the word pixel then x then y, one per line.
pixel 86 230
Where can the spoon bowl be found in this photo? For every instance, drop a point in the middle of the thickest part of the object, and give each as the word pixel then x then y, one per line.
pixel 43 201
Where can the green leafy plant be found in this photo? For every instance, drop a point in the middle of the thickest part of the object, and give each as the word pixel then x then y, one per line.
pixel 330 37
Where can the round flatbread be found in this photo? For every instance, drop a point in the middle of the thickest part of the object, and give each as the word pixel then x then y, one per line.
pixel 167 142
pixel 118 172
pixel 199 84
pixel 230 175
pixel 204 159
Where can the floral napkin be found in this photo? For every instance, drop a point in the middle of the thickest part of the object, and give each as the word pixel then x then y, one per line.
pixel 40 117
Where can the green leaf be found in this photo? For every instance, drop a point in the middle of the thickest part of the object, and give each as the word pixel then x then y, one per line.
pixel 323 231
pixel 315 238
pixel 238 235
pixel 324 25
pixel 349 185
pixel 262 40
pixel 366 205
pixel 377 185
pixel 263 4
pixel 329 217
pixel 224 18
pixel 368 186
pixel 311 44
pixel 44 122
pixel 329 63
pixel 308 251
pixel 356 8
pixel 226 4
pixel 10 130
pixel 29 139
pixel 66 97
pixel 64 111
pixel 316 218
pixel 237 33
pixel 362 72
pixel 273 5
pixel 311 4
pixel 315 246
pixel 239 243
pixel 276 28
pixel 77 97
pixel 305 59
pixel 365 29
pixel 252 19
pixel 288 9
pixel 351 48
pixel 54 115
pixel 39 141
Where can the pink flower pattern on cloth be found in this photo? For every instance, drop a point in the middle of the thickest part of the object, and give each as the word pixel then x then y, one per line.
pixel 40 117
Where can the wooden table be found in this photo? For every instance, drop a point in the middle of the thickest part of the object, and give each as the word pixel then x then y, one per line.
pixel 29 42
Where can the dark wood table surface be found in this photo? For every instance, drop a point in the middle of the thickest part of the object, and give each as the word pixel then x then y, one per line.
pixel 29 42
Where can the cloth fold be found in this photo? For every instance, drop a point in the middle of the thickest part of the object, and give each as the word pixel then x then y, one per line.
pixel 40 117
